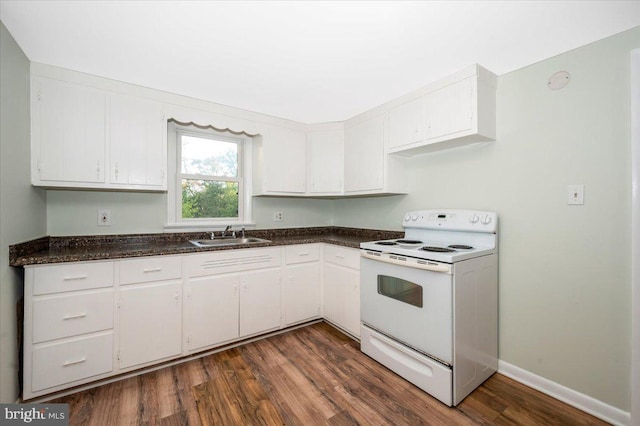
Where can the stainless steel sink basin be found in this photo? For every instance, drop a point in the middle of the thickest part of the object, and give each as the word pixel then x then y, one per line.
pixel 227 241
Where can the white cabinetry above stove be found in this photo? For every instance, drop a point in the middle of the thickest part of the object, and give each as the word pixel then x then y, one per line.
pixel 453 112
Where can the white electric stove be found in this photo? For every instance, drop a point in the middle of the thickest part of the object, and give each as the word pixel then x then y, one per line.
pixel 429 301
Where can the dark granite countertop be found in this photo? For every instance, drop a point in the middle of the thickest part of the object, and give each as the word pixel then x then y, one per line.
pixel 99 247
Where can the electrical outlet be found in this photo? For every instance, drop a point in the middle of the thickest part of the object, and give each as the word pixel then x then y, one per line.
pixel 278 216
pixel 575 195
pixel 104 217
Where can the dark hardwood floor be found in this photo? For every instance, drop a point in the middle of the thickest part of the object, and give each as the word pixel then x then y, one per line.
pixel 309 376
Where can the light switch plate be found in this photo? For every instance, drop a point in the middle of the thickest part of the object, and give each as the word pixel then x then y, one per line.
pixel 575 195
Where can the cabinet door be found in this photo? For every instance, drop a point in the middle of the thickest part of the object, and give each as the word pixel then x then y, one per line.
pixel 364 156
pixel 212 310
pixel 138 143
pixel 68 133
pixel 405 124
pixel 284 159
pixel 333 294
pixel 150 323
pixel 302 292
pixel 341 297
pixel 326 161
pixel 352 301
pixel 449 110
pixel 259 301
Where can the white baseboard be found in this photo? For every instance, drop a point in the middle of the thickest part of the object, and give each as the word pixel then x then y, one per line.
pixel 569 396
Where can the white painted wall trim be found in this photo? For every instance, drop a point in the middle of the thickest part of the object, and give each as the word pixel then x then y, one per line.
pixel 569 396
pixel 635 237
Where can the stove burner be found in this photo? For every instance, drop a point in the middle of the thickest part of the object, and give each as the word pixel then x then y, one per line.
pixel 437 249
pixel 408 241
pixel 460 247
pixel 386 243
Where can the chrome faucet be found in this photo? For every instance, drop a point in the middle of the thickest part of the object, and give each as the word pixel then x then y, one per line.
pixel 224 233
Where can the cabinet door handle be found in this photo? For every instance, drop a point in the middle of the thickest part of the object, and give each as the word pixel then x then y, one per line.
pixel 79 277
pixel 77 361
pixel 152 270
pixel 74 316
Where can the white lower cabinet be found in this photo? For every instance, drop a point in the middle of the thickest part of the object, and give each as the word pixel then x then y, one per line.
pixel 341 288
pixel 302 284
pixel 150 323
pixel 86 321
pixel 211 311
pixel 259 301
pixel 68 326
pixel 231 294
pixel 149 310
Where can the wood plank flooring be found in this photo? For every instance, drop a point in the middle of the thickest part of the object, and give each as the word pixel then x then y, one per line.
pixel 310 376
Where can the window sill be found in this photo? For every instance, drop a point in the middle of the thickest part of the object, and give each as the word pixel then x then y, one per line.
pixel 205 226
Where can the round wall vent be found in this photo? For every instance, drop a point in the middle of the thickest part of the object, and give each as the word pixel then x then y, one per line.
pixel 558 80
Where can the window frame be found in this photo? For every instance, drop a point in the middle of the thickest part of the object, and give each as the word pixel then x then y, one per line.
pixel 175 221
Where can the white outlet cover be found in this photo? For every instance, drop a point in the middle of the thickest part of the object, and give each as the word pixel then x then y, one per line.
pixel 104 217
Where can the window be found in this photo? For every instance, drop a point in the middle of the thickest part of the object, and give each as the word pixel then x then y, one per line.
pixel 209 186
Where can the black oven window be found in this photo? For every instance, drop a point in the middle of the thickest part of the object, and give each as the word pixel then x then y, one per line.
pixel 399 289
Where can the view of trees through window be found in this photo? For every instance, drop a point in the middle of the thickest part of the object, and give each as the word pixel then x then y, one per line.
pixel 209 177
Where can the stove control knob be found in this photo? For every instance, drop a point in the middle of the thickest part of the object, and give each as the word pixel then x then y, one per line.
pixel 414 216
pixel 486 220
pixel 407 217
pixel 474 218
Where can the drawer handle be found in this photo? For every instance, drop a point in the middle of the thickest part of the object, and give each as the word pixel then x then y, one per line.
pixel 73 316
pixel 79 277
pixel 304 254
pixel 152 270
pixel 77 361
pixel 339 256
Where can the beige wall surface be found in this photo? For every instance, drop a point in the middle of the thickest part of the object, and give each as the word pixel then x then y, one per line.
pixel 22 208
pixel 564 270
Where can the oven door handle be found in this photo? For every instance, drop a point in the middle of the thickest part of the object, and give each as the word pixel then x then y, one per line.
pixel 437 267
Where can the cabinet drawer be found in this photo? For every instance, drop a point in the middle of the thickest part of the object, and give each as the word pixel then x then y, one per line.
pixel 343 256
pixel 302 253
pixel 56 317
pixel 72 276
pixel 73 360
pixel 222 262
pixel 150 269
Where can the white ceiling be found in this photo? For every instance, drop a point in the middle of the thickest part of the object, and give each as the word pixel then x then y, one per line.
pixel 306 61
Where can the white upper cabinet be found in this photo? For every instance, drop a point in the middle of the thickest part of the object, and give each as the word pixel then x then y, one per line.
pixel 368 170
pixel 364 156
pixel 405 124
pixel 280 163
pixel 456 111
pixel 83 137
pixel 68 134
pixel 325 161
pixel 138 143
pixel 449 110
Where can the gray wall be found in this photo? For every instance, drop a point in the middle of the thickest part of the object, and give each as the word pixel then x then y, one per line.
pixel 76 212
pixel 22 208
pixel 564 270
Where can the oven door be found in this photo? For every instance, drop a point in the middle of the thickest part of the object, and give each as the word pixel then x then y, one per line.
pixel 411 305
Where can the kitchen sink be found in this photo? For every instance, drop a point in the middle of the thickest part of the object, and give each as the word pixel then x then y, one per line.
pixel 227 241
